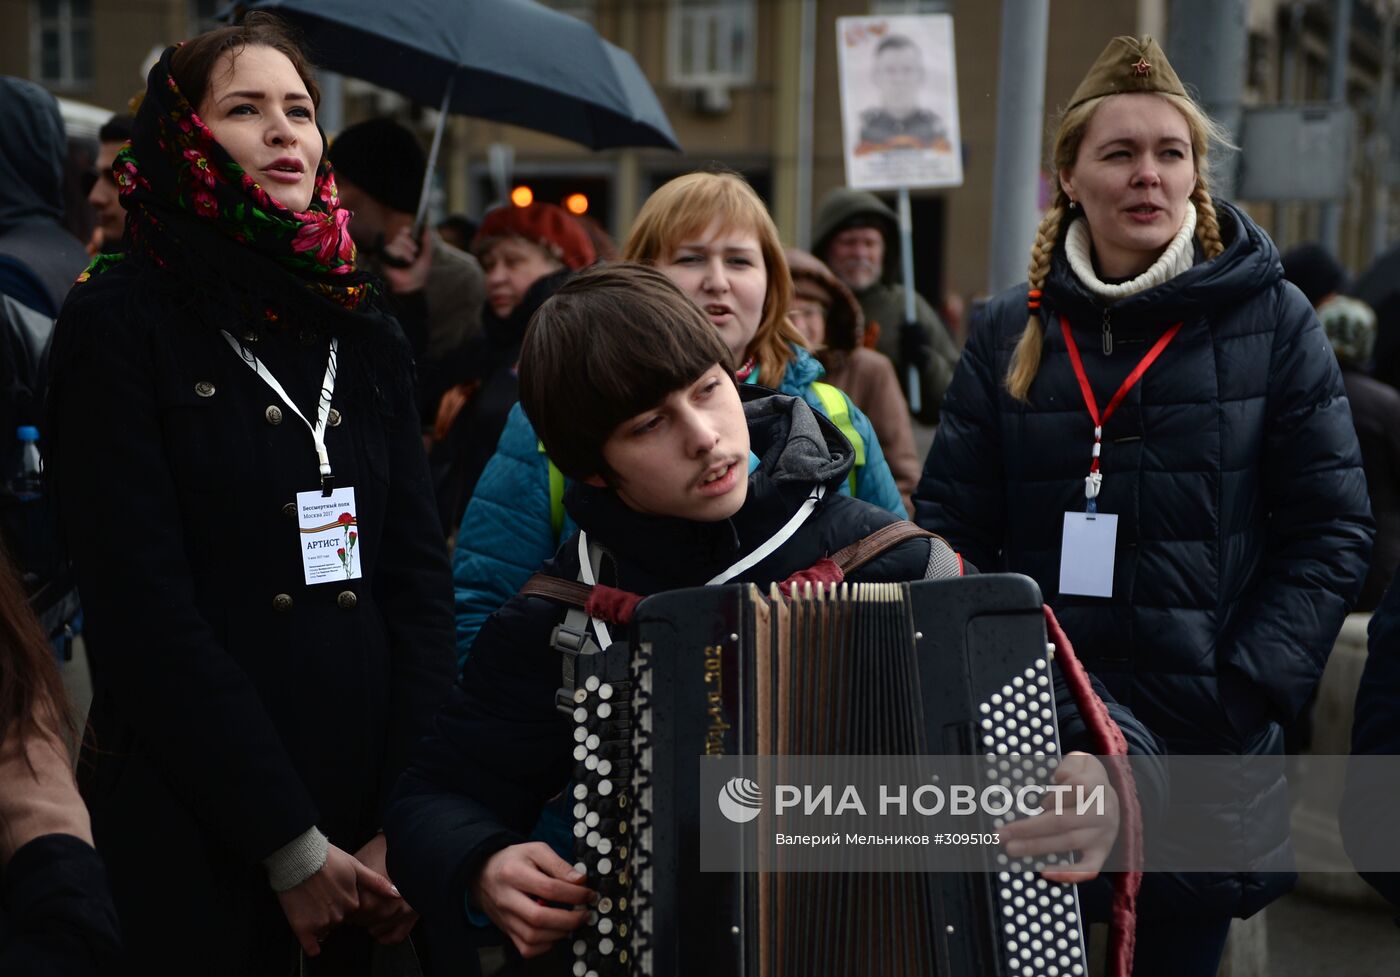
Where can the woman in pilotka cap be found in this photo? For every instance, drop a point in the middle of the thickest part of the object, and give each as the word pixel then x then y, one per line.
pixel 237 459
pixel 1154 429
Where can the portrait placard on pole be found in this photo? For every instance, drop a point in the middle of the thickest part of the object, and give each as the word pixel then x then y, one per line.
pixel 899 102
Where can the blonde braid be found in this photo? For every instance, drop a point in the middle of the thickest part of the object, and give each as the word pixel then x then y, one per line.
pixel 1025 362
pixel 1207 223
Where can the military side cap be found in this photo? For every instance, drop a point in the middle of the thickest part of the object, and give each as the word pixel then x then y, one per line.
pixel 1128 65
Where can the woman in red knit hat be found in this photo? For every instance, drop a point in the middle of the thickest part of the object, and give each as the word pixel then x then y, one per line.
pixel 527 253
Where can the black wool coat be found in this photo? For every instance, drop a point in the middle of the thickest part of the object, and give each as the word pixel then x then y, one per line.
pixel 500 748
pixel 56 918
pixel 1243 523
pixel 237 706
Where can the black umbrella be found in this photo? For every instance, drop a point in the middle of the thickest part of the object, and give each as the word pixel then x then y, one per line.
pixel 513 61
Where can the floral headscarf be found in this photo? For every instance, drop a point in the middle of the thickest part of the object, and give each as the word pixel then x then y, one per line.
pixel 183 191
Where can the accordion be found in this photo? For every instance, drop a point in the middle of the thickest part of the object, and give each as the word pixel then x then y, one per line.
pixel 954 666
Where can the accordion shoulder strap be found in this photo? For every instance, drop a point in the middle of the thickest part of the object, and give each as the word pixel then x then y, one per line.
pixel 851 558
pixel 848 559
pixel 571 593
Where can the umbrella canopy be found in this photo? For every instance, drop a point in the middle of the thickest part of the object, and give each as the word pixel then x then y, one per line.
pixel 512 61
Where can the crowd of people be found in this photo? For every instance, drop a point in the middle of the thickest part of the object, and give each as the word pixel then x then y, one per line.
pixel 311 739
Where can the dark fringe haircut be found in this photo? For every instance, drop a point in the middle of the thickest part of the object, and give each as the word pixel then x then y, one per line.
pixel 615 341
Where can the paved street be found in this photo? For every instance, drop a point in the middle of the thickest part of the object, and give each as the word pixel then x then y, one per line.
pixel 1308 939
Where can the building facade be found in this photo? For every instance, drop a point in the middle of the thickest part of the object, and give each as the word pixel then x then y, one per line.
pixel 729 74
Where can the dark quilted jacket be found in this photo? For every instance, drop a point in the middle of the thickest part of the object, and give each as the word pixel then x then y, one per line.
pixel 1244 528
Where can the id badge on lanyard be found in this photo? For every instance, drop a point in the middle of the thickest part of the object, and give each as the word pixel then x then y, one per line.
pixel 1089 544
pixel 327 519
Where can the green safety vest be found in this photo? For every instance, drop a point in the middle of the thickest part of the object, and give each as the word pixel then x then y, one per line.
pixel 834 404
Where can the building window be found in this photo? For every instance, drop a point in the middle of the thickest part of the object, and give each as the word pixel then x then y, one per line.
pixel 711 43
pixel 61 42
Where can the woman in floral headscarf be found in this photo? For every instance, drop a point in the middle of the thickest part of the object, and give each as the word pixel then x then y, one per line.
pixel 235 452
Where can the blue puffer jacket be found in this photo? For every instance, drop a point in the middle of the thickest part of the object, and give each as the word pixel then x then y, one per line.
pixel 506 532
pixel 1243 524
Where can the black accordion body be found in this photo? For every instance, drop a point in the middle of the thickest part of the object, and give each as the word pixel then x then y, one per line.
pixel 936 667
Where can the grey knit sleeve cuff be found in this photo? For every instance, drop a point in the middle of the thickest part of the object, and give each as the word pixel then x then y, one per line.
pixel 297 860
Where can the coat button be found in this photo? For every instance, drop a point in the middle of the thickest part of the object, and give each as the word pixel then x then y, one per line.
pixel 333 418
pixel 290 510
pixel 204 388
pixel 282 602
pixel 273 414
pixel 347 599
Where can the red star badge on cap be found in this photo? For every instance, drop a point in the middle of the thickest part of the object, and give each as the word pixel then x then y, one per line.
pixel 1142 67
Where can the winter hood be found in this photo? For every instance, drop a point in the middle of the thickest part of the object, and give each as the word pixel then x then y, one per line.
pixel 32 154
pixel 842 208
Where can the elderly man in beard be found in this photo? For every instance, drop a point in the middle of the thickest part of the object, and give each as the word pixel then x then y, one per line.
pixel 852 235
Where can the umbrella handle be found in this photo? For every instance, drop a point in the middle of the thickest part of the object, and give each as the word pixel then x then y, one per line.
pixel 421 217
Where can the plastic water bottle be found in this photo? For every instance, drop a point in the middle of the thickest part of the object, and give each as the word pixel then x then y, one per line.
pixel 27 472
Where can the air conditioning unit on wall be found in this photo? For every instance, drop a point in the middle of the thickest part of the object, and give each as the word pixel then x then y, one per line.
pixel 710 44
pixel 709 100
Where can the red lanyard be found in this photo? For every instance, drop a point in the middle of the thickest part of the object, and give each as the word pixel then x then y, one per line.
pixel 1095 479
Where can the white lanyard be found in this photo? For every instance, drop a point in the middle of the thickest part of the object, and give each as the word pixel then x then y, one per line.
pixel 586 570
pixel 753 559
pixel 774 541
pixel 323 410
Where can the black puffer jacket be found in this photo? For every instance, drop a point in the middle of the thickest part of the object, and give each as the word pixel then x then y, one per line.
pixel 1244 528
pixel 500 748
pixel 1367 813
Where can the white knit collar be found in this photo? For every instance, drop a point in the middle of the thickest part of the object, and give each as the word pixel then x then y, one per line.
pixel 1179 256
